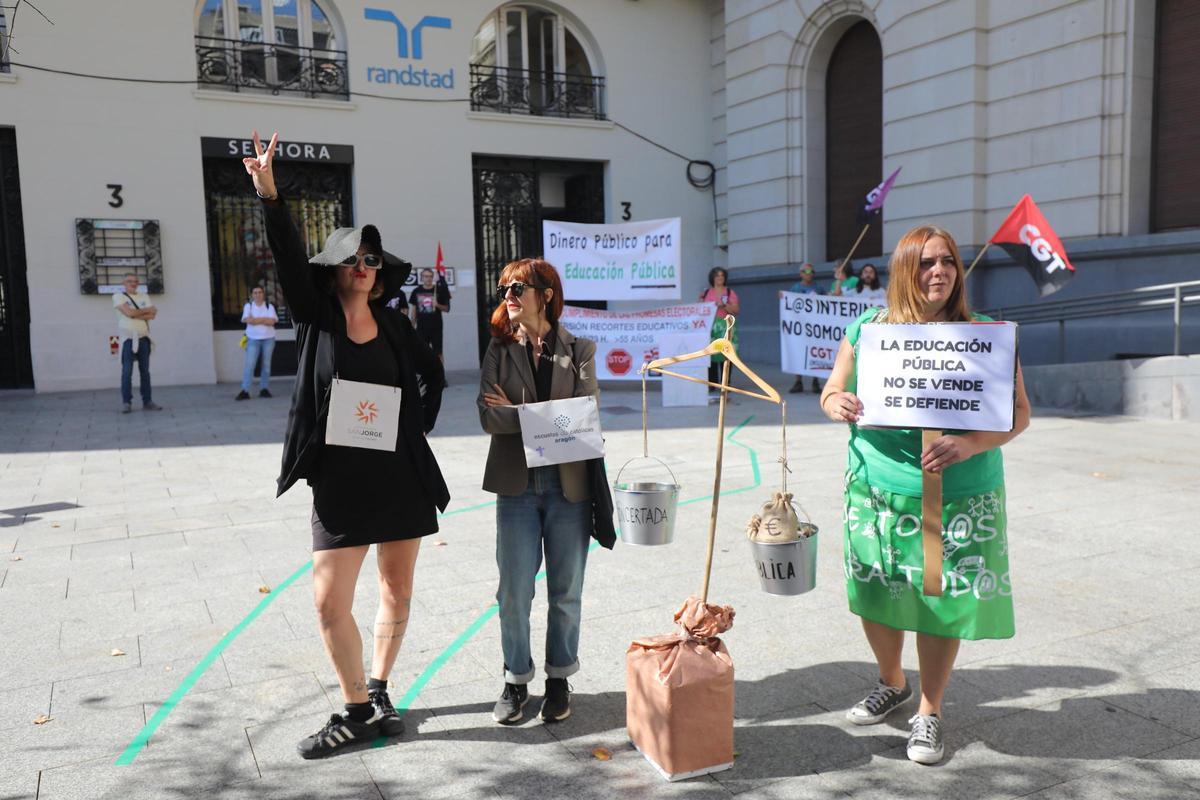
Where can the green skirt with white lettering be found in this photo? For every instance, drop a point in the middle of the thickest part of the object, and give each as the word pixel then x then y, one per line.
pixel 884 558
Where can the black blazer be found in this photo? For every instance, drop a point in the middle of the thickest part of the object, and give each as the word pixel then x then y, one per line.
pixel 319 319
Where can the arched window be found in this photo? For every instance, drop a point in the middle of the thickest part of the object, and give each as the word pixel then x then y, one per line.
pixel 527 59
pixel 853 139
pixel 1175 202
pixel 290 46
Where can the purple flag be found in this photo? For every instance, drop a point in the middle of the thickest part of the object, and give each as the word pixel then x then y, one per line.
pixel 875 198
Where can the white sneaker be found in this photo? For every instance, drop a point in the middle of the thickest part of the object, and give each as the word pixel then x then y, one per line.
pixel 882 701
pixel 925 745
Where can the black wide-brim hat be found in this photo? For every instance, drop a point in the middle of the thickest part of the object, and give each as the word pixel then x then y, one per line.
pixel 344 242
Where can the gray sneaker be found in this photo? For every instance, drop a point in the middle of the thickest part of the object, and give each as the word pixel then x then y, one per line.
pixel 152 406
pixel 510 707
pixel 925 745
pixel 882 701
pixel 126 408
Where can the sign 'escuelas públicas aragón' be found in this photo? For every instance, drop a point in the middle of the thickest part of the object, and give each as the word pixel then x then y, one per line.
pixel 620 261
pixel 938 376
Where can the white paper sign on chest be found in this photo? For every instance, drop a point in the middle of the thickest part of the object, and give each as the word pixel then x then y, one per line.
pixel 941 376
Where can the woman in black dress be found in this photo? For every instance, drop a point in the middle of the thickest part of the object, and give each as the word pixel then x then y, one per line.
pixel 360 496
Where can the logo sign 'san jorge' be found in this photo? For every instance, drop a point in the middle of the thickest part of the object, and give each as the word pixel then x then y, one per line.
pixel 618 361
pixel 366 412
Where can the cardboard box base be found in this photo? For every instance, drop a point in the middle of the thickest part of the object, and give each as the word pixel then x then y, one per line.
pixel 682 776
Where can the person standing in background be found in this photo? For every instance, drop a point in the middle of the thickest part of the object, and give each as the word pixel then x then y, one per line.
pixel 718 292
pixel 134 312
pixel 843 279
pixel 426 304
pixel 806 285
pixel 869 288
pixel 260 318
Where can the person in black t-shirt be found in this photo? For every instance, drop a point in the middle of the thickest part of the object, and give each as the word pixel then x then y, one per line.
pixel 427 302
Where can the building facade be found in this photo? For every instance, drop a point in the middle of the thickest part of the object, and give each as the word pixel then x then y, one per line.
pixel 463 124
pixel 1087 105
pixel 761 123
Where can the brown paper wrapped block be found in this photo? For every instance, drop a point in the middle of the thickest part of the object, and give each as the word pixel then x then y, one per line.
pixel 679 694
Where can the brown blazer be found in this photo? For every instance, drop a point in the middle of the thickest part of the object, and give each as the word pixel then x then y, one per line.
pixel 507 364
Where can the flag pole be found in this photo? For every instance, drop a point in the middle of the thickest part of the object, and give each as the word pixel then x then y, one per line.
pixel 976 261
pixel 846 260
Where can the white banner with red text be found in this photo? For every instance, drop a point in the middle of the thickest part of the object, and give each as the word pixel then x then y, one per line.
pixel 627 339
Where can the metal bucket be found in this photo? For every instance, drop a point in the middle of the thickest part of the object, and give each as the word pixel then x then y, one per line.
pixel 786 568
pixel 646 509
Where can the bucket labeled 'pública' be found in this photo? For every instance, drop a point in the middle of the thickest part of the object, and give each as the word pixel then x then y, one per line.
pixel 646 510
pixel 787 568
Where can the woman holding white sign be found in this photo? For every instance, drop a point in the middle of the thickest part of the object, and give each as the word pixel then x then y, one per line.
pixel 883 544
pixel 542 509
pixel 356 433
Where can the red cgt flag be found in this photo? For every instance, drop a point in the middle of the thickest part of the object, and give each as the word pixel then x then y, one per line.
pixel 441 268
pixel 1027 237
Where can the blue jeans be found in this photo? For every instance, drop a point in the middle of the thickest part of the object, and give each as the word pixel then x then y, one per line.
pixel 526 524
pixel 143 360
pixel 255 347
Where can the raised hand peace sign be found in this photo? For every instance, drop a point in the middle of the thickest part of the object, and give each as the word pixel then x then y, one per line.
pixel 259 168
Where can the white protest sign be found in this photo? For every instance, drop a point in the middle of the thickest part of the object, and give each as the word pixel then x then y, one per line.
pixel 940 376
pixel 363 415
pixel 627 339
pixel 561 431
pixel 621 261
pixel 811 327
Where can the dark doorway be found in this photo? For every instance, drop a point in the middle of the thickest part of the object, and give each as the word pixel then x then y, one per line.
pixel 16 364
pixel 1175 174
pixel 512 198
pixel 853 139
pixel 318 196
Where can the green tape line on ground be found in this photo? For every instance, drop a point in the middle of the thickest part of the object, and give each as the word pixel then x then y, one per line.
pixel 135 747
pixel 139 742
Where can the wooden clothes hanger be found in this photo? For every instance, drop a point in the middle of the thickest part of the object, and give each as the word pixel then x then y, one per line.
pixel 724 347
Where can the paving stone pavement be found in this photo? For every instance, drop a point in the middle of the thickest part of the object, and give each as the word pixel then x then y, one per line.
pixel 152 534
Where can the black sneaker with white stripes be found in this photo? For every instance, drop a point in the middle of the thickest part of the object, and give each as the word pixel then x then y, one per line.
pixel 339 734
pixel 390 723
pixel 882 701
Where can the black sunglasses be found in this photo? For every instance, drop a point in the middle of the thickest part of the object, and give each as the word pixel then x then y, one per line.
pixel 370 261
pixel 516 287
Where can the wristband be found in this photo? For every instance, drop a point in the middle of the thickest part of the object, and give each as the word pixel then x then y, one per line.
pixel 264 197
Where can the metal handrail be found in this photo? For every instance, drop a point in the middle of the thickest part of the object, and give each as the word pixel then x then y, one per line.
pixel 1174 296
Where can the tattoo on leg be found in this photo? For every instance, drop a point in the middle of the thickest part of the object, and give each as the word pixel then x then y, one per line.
pixel 392 636
pixel 360 685
pixel 399 622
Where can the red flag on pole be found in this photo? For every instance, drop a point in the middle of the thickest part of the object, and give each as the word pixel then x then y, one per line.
pixel 1027 237
pixel 443 289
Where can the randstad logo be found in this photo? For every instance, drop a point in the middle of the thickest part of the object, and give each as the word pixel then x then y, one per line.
pixel 410 75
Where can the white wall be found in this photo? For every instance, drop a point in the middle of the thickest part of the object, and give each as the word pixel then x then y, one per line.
pixel 412 173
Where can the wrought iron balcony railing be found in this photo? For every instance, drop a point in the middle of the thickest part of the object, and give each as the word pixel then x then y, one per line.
pixel 548 94
pixel 276 68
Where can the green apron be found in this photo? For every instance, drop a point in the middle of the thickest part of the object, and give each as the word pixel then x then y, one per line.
pixel 884 559
pixel 718 332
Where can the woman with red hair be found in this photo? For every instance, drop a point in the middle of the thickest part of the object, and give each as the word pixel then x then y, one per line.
pixel 883 501
pixel 539 510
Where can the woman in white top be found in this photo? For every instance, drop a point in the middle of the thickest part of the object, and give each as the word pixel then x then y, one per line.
pixel 260 318
pixel 869 288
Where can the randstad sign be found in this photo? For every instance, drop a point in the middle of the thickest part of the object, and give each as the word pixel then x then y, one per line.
pixel 409 46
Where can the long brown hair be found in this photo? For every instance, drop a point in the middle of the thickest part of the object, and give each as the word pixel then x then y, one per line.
pixel 905 301
pixel 536 273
